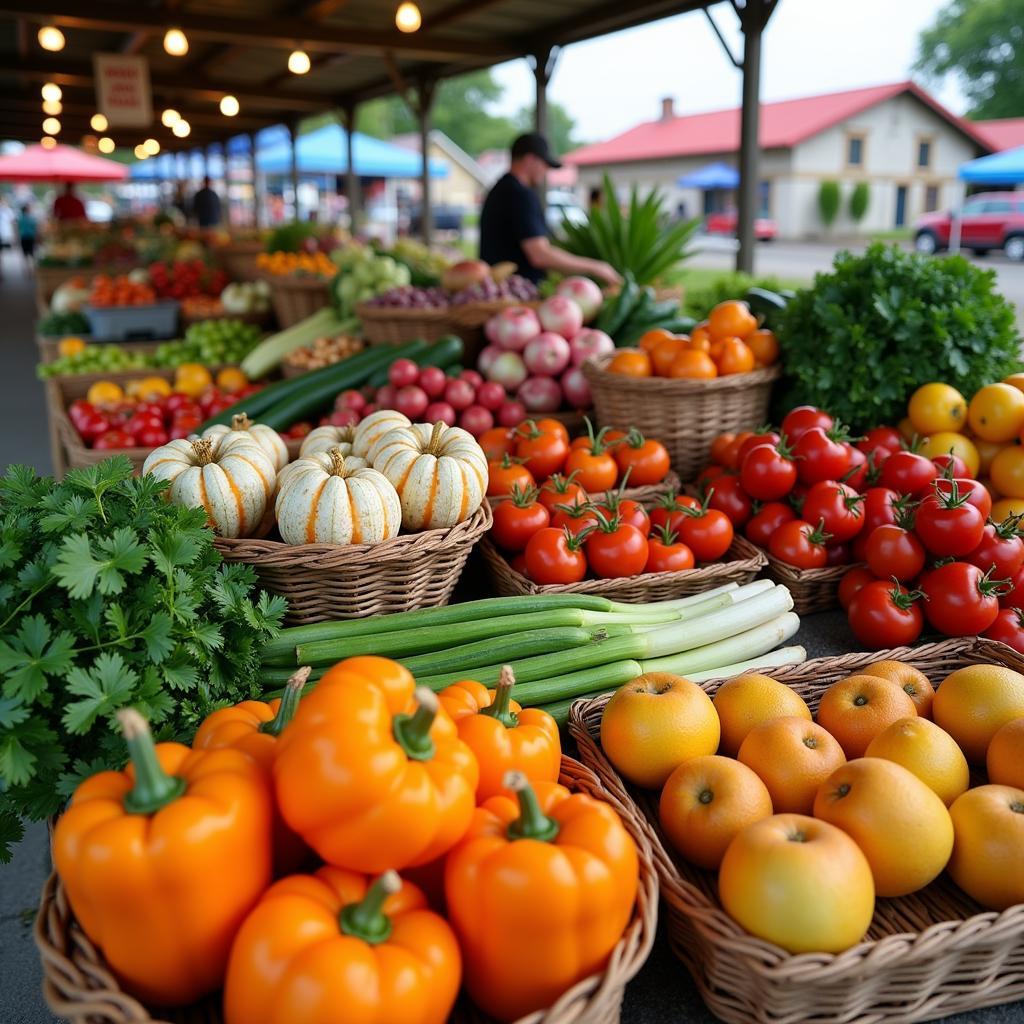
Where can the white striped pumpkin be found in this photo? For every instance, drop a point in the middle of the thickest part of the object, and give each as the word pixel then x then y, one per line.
pixel 230 476
pixel 266 437
pixel 320 439
pixel 329 498
pixel 374 427
pixel 440 473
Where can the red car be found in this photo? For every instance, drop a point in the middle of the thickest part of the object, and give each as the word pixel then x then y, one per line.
pixel 724 223
pixel 989 220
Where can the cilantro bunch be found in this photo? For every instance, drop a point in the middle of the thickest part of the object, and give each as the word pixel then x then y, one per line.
pixel 110 596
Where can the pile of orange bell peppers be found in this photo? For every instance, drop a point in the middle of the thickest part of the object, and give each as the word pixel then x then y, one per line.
pixel 169 865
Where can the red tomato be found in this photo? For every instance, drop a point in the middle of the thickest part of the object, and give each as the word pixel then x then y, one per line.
pixel 644 459
pixel 948 525
pixel 518 564
pixel 497 442
pixel 142 421
pixel 861 471
pixel 182 427
pixel 731 455
pixel 880 507
pixel 857 578
pixel 555 556
pixel 962 600
pixel 542 453
pixel 708 475
pixel 79 412
pixel 720 447
pixel 1008 628
pixel 800 544
pixel 518 519
pixel 767 473
pixel 1000 549
pixel 882 441
pixel 976 492
pixel 837 554
pixel 114 439
pixel 669 510
pixel 908 473
pixel 1014 597
pixel 763 523
pixel 798 421
pixel 819 456
pixel 552 426
pixel 152 437
pixel 574 518
pixel 728 496
pixel 707 532
pixel 93 425
pixel 177 400
pixel 859 546
pixel 950 465
pixel 594 467
pixel 884 615
pixel 503 476
pixel 838 506
pixel 759 437
pixel 628 511
pixel 894 551
pixel 616 549
pixel 561 490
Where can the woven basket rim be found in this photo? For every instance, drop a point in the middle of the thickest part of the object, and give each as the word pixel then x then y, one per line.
pixel 646 387
pixel 646 493
pixel 402 314
pixel 808 577
pixel 299 283
pixel 476 314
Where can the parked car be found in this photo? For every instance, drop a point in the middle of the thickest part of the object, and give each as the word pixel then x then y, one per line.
pixel 443 218
pixel 724 223
pixel 988 220
pixel 563 205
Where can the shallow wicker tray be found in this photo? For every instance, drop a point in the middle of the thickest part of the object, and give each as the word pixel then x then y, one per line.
pixel 813 590
pixel 78 986
pixel 744 562
pixel 685 415
pixel 393 325
pixel 927 955
pixel 327 581
pixel 295 298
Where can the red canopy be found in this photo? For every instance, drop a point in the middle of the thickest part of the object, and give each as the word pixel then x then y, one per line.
pixel 62 163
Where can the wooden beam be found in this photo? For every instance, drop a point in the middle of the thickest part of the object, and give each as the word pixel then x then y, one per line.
pixel 212 119
pixel 456 11
pixel 24 32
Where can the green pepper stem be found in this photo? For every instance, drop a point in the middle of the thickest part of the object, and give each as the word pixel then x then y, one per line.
pixel 499 707
pixel 366 919
pixel 153 788
pixel 532 822
pixel 413 731
pixel 289 702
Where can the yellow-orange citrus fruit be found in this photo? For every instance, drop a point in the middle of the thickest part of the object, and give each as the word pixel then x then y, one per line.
pixel 654 723
pixel 1004 760
pixel 911 680
pixel 792 757
pixel 104 392
pixel 988 823
pixel 798 882
pixel 750 699
pixel 706 802
pixel 856 709
pixel 901 825
pixel 972 704
pixel 928 752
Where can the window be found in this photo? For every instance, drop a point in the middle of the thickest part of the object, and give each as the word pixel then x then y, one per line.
pixel 855 150
pixel 931 198
pixel 764 199
pixel 997 206
pixel 924 153
pixel 973 207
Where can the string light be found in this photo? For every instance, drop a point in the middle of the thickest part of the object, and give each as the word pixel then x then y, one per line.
pixel 408 18
pixel 175 42
pixel 51 91
pixel 140 152
pixel 170 117
pixel 229 106
pixel 181 128
pixel 151 146
pixel 51 38
pixel 51 126
pixel 298 62
pixel 105 145
pixel 47 142
pixel 99 122
pixel 52 107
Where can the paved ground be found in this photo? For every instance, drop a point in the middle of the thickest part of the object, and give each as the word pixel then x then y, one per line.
pixel 661 993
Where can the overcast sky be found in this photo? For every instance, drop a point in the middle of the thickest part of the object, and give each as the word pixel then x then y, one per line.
pixel 810 46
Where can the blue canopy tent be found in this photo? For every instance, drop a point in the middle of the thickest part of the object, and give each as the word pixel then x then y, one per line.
pixel 716 175
pixel 1005 168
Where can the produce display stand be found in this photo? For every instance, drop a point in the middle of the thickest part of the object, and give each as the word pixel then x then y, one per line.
pixel 50 278
pixel 133 323
pixel 394 325
pixel 685 415
pixel 927 955
pixel 48 345
pixel 261 319
pixel 79 987
pixel 295 298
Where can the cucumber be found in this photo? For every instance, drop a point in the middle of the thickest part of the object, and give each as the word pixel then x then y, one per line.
pixel 443 353
pixel 679 324
pixel 620 312
pixel 764 304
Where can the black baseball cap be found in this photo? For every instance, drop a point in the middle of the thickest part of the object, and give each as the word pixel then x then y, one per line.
pixel 537 144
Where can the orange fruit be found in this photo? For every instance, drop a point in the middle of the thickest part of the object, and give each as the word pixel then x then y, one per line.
pixel 902 827
pixel 706 802
pixel 856 709
pixel 702 343
pixel 734 357
pixel 700 337
pixel 70 346
pixel 748 700
pixel 911 680
pixel 926 751
pixel 732 319
pixel 988 824
pixel 663 355
pixel 996 412
pixel 104 392
pixel 1016 379
pixel 654 723
pixel 693 364
pixel 792 757
pixel 150 387
pixel 653 338
pixel 972 704
pixel 1004 760
pixel 192 379
pixel 231 379
pixel 765 346
pixel 631 363
pixel 800 883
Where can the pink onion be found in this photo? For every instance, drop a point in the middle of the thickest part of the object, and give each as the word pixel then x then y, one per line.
pixel 547 355
pixel 476 419
pixel 584 293
pixel 509 370
pixel 576 388
pixel 588 344
pixel 513 327
pixel 540 394
pixel 561 315
pixel 511 414
pixel 486 358
pixel 440 411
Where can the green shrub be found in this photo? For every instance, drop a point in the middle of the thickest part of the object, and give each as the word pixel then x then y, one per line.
pixel 859 200
pixel 828 202
pixel 699 300
pixel 862 338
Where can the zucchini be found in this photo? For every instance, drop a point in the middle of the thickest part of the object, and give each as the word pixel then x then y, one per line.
pixel 443 353
pixel 765 305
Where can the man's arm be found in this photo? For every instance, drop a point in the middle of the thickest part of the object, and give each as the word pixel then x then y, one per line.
pixel 545 256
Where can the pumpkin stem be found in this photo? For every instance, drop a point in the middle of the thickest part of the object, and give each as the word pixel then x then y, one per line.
pixel 366 919
pixel 240 422
pixel 499 707
pixel 434 446
pixel 202 449
pixel 413 731
pixel 289 702
pixel 153 788
pixel 337 462
pixel 532 822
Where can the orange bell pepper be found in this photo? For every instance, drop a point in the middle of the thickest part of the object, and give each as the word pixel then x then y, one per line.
pixel 371 775
pixel 503 736
pixel 330 947
pixel 162 861
pixel 253 727
pixel 539 892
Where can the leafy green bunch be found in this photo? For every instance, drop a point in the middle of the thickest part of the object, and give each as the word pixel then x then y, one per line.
pixel 110 596
pixel 862 338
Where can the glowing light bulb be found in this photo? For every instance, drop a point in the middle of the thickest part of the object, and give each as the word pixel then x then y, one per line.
pixel 51 91
pixel 52 107
pixel 51 126
pixel 298 62
pixel 105 145
pixel 99 122
pixel 170 117
pixel 151 146
pixel 229 106
pixel 408 18
pixel 175 42
pixel 181 128
pixel 140 152
pixel 51 38
pixel 47 142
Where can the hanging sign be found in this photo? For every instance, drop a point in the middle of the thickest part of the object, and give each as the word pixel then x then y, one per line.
pixel 122 90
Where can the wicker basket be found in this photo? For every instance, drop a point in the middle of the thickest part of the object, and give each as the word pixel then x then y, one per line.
pixel 239 259
pixel 49 279
pixel 394 325
pixel 78 986
pixel 296 298
pixel 926 955
pixel 468 318
pixel 743 563
pixel 647 496
pixel 325 581
pixel 813 590
pixel 685 415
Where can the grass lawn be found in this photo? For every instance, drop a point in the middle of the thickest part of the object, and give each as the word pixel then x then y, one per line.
pixel 893 235
pixel 702 277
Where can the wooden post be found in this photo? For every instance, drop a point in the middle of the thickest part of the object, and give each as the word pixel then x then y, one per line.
pixel 253 174
pixel 543 64
pixel 293 138
pixel 351 175
pixel 425 100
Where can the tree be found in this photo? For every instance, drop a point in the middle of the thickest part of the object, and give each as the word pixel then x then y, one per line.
pixel 860 197
pixel 828 202
pixel 982 42
pixel 560 126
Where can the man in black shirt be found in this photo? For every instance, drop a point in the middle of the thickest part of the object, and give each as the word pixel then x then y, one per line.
pixel 512 226
pixel 206 206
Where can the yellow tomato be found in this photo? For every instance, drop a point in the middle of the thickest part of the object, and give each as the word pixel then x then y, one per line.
pixel 1016 379
pixel 906 429
pixel 231 379
pixel 70 346
pixel 987 451
pixel 192 379
pixel 936 407
pixel 945 441
pixel 104 392
pixel 152 387
pixel 1006 507
pixel 996 412
pixel 1007 471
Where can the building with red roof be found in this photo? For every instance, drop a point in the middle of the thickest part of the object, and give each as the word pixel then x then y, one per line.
pixel 897 138
pixel 1002 133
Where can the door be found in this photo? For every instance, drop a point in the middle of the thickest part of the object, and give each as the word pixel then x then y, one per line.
pixel 972 226
pixel 901 206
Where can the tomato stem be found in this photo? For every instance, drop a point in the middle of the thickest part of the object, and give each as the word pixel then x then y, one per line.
pixel 289 702
pixel 366 919
pixel 523 497
pixel 532 822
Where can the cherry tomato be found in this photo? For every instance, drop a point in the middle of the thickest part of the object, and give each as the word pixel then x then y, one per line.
pixel 880 507
pixel 142 421
pixel 548 425
pixel 707 532
pixel 182 426
pixel 504 475
pixel 720 446
pixel 669 510
pixel 616 549
pixel 574 518
pixel 542 453
pixel 152 437
pixel 859 546
pixel 976 492
pixel 79 412
pixel 882 441
pixel 767 472
pixel 820 456
pixel 518 519
pixel 838 506
pixel 93 425
pixel 800 544
pixel 555 556
pixel 497 442
pixel 763 523
pixel 1014 596
pixel 857 578
pixel 948 525
pixel 731 458
pixel 862 469
pixel 837 554
pixel 727 495
pixel 908 473
pixel 798 421
pixel 759 437
pixel 962 600
pixel 627 510
pixel 1000 549
pixel 177 400
pixel 665 553
pixel 114 439
pixel 884 615
pixel 894 552
pixel 1008 628
pixel 561 490
pixel 644 459
pixel 708 475
pixel 950 465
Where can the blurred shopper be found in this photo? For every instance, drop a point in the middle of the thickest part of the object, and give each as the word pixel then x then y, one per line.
pixel 27 230
pixel 206 206
pixel 67 206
